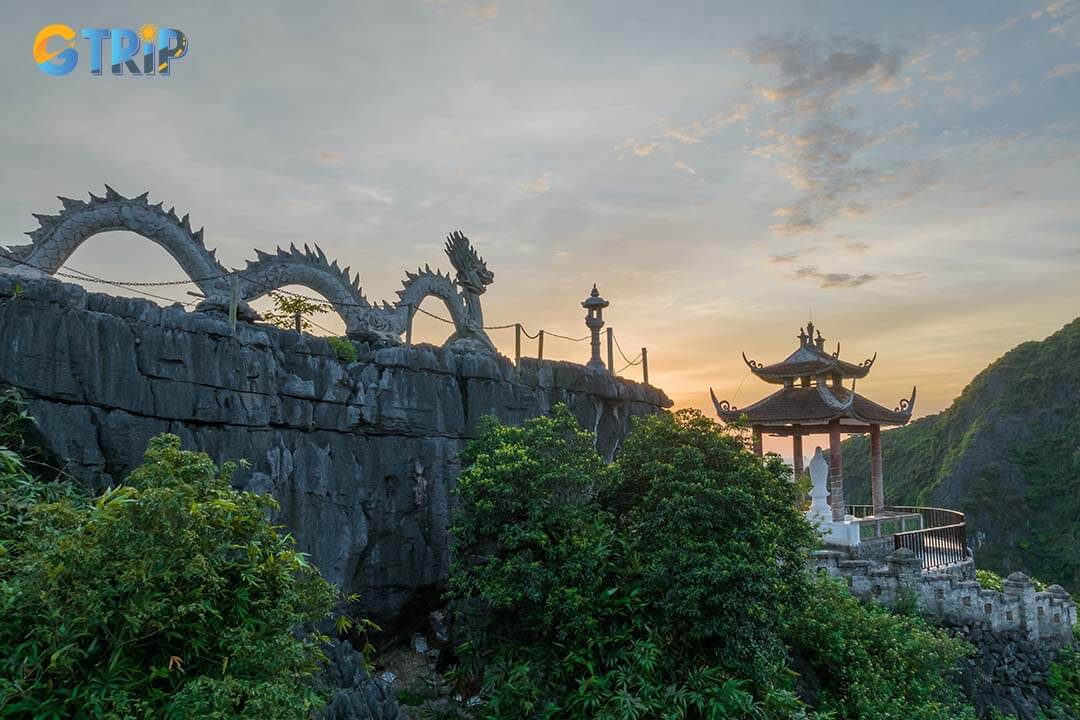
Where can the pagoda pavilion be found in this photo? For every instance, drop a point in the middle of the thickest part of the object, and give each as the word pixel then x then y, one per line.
pixel 812 399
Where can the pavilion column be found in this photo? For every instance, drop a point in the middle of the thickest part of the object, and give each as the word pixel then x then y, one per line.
pixel 836 473
pixel 796 455
pixel 757 441
pixel 877 486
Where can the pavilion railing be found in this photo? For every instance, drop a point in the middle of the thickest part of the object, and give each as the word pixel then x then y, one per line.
pixel 937 536
pixel 941 542
pixel 886 525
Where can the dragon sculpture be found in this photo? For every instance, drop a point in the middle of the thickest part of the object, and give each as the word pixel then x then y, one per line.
pixel 58 236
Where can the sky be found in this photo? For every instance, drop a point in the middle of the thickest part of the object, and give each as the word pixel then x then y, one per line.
pixel 905 174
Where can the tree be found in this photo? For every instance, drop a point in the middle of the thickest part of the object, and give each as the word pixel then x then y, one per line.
pixel 588 590
pixel 288 306
pixel 169 596
pixel 722 545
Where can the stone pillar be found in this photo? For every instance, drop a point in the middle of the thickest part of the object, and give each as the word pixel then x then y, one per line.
pixel 877 487
pixel 1020 587
pixel 757 441
pixel 836 473
pixel 905 565
pixel 796 453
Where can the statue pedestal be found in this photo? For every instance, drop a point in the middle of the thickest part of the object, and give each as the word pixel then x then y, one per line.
pixel 846 533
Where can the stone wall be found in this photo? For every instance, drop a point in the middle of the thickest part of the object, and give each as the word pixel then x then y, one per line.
pixel 954 598
pixel 1016 632
pixel 362 457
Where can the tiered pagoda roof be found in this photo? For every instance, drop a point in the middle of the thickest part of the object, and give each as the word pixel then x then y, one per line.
pixel 813 392
pixel 810 360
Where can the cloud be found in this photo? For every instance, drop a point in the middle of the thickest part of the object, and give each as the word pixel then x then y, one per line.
pixel 918 177
pixel 857 246
pixel 819 162
pixel 371 194
pixel 813 76
pixel 812 83
pixel 540 184
pixel 680 165
pixel 331 158
pixel 640 149
pixel 737 112
pixel 1008 24
pixel 1062 70
pixel 972 50
pixel 1003 143
pixel 834 279
pixel 483 12
pixel 690 134
pixel 697 130
pixel 784 258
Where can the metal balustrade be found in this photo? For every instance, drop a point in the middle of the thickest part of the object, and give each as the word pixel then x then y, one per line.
pixel 939 540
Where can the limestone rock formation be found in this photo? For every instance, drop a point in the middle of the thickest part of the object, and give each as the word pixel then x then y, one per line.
pixel 361 457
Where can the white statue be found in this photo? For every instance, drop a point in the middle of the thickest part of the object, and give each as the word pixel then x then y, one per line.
pixel 819 494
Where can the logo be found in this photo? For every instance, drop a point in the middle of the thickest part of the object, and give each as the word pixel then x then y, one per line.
pixel 155 47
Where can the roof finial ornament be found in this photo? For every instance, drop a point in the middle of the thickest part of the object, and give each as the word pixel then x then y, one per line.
pixel 819 341
pixel 803 336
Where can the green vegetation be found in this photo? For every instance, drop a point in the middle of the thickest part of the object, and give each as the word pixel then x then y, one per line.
pixel 1064 681
pixel 344 348
pixel 287 307
pixel 992 581
pixel 170 596
pixel 670 584
pixel 1005 453
pixel 877 664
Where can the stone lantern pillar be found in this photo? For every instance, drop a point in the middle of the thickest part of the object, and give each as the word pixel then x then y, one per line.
pixel 594 320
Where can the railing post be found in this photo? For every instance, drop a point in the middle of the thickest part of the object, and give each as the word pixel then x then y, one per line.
pixel 645 365
pixel 410 311
pixel 540 347
pixel 517 344
pixel 610 351
pixel 234 298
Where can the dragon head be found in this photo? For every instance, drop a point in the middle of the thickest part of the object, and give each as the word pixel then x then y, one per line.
pixel 472 273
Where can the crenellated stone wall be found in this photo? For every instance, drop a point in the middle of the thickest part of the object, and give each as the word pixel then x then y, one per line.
pixel 1016 632
pixel 361 456
pixel 955 598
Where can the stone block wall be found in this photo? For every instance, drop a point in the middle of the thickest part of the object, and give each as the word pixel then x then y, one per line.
pixel 362 457
pixel 955 598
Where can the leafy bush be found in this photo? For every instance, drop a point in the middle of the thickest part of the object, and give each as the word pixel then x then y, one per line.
pixel 344 348
pixel 874 665
pixel 722 545
pixel 1064 680
pixel 653 587
pixel 992 581
pixel 170 596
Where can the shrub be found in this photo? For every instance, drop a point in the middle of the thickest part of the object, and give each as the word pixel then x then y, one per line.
pixel 653 587
pixel 344 348
pixel 169 596
pixel 992 581
pixel 1064 680
pixel 874 665
pixel 723 548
